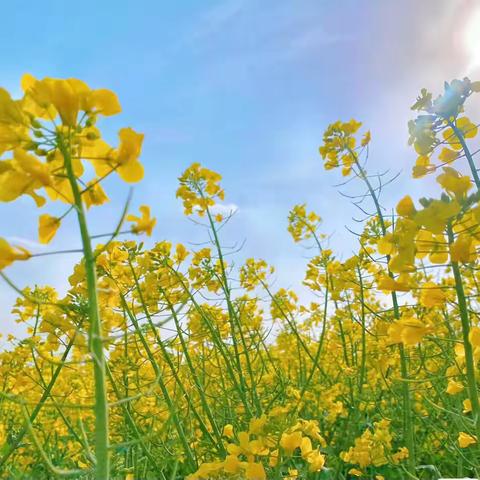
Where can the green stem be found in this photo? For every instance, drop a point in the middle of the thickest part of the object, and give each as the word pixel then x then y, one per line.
pixel 364 335
pixel 172 407
pixel 219 343
pixel 218 443
pixel 319 348
pixel 131 422
pixel 406 396
pixel 235 321
pixel 468 155
pixel 102 469
pixel 196 380
pixel 469 359
pixel 11 447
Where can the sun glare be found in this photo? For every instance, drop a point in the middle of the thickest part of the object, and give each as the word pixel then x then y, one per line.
pixel 472 40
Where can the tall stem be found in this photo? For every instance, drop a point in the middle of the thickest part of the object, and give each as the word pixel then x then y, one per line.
pixel 469 360
pixel 364 335
pixel 462 303
pixel 235 322
pixel 102 469
pixel 406 396
pixel 468 154
pixel 10 448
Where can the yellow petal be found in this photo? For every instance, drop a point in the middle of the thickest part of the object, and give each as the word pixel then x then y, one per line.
pixel 255 471
pixel 33 166
pixel 465 440
pixel 131 172
pixel 447 155
pixel 94 194
pixel 9 254
pixel 27 81
pixel 454 387
pixel 468 129
pixel 432 295
pixel 104 101
pixel 405 207
pixel 10 111
pixel 387 283
pixel 413 331
pixel 130 145
pixel 13 183
pixel 474 337
pixel 47 227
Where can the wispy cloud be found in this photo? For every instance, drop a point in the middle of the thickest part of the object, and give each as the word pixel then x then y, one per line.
pixel 226 209
pixel 161 135
pixel 215 19
pixel 25 242
pixel 260 34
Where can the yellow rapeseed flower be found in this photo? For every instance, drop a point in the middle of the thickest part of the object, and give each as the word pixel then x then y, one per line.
pixel 465 440
pixel 143 224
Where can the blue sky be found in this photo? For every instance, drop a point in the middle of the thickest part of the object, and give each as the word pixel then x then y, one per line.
pixel 246 87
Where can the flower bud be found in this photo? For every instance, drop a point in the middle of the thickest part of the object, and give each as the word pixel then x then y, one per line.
pixel 92 136
pixel 91 120
pixel 31 146
pixel 41 152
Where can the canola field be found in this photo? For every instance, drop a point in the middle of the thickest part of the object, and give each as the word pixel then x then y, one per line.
pixel 177 362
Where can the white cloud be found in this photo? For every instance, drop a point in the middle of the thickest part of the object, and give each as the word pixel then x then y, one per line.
pixel 225 209
pixel 24 242
pixel 216 18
